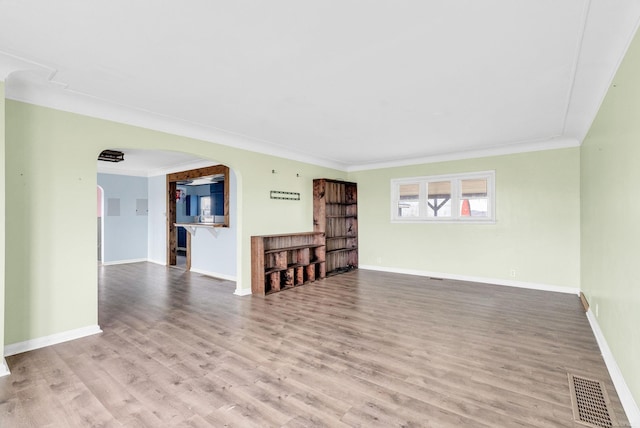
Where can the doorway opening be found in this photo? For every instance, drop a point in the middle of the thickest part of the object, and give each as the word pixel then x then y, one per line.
pixel 196 199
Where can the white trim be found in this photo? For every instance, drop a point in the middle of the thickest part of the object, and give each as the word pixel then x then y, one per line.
pixel 77 102
pixel 164 263
pixel 124 262
pixel 214 274
pixel 54 339
pixel 626 398
pixel 4 368
pixel 242 292
pixel 525 147
pixel 455 197
pixel 11 63
pixel 483 280
pixel 69 100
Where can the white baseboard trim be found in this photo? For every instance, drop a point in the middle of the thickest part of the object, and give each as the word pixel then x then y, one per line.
pixel 157 262
pixel 124 262
pixel 626 398
pixel 54 339
pixel 4 368
pixel 214 274
pixel 493 281
pixel 242 292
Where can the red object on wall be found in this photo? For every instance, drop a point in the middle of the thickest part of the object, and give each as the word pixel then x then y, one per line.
pixel 466 208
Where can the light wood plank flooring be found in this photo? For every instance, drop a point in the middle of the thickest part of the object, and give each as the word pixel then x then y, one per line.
pixel 359 349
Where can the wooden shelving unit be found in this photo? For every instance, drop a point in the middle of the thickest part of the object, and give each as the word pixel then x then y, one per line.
pixel 335 213
pixel 279 262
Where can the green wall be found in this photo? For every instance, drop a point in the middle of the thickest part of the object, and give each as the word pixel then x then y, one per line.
pixel 536 231
pixel 51 283
pixel 610 163
pixel 51 183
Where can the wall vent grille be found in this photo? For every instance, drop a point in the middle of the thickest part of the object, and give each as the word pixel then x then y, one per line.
pixel 590 402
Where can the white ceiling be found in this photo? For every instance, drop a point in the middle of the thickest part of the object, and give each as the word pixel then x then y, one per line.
pixel 347 84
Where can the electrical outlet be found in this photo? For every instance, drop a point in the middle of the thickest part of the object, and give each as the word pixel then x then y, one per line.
pixel 378 260
pixel 512 273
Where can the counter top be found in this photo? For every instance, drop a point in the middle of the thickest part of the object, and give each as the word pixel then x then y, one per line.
pixel 200 224
pixel 192 228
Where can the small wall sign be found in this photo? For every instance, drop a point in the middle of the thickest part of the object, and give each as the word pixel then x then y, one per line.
pixel 290 196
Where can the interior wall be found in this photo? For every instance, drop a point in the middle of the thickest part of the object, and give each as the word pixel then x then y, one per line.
pixel 125 234
pixel 610 212
pixel 537 229
pixel 51 283
pixel 157 234
pixel 51 270
pixel 216 256
pixel 3 369
pixel 210 255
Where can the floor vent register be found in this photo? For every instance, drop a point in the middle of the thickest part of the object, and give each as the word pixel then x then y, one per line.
pixel 590 402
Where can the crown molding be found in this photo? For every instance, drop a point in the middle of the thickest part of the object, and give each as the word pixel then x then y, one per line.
pixel 57 97
pixel 532 146
pixel 10 64
pixel 583 105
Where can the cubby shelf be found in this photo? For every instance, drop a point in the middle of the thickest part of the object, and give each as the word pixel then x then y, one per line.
pixel 280 262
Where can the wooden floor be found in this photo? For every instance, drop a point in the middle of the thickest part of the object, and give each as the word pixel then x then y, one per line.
pixel 359 349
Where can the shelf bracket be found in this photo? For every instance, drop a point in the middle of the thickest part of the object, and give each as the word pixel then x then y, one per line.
pixel 192 229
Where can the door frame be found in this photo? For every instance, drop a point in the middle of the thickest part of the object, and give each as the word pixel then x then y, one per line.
pixel 172 180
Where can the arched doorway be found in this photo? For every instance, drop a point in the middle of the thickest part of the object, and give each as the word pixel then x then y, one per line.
pixel 213 254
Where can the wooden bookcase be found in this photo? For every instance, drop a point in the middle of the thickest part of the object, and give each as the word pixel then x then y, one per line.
pixel 335 213
pixel 279 262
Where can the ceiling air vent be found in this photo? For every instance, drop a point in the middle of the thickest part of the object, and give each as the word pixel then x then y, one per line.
pixel 111 156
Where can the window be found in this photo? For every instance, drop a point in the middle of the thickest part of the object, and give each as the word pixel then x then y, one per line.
pixel 467 198
pixel 205 206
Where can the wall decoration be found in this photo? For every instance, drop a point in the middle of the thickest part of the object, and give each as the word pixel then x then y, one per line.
pixel 290 196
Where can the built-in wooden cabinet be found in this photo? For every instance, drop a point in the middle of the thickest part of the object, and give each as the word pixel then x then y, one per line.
pixel 279 262
pixel 335 213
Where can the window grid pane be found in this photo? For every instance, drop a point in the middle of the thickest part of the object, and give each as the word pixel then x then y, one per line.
pixel 409 200
pixel 474 207
pixel 439 199
pixel 465 197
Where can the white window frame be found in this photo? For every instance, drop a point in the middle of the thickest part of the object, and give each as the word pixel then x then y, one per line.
pixel 455 180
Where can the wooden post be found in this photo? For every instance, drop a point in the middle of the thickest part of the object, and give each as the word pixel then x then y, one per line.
pixel 172 241
pixel 188 264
